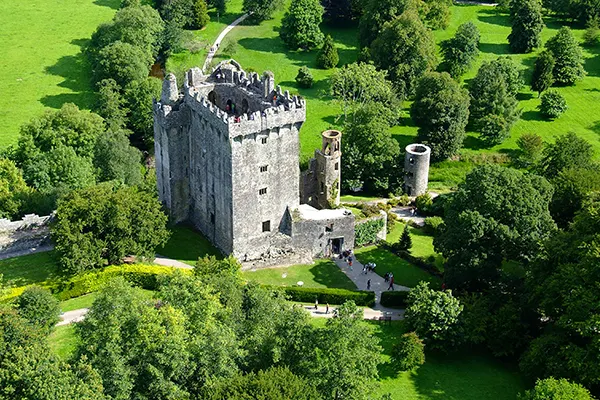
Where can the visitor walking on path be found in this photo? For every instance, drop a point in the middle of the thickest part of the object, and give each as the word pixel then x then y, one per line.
pixel 369 284
pixel 391 287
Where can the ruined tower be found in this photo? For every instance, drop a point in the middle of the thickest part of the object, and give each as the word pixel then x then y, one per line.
pixel 328 165
pixel 416 169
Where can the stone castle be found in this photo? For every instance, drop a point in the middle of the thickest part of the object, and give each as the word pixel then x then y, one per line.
pixel 227 161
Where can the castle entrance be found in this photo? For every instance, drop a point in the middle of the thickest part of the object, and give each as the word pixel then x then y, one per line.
pixel 336 246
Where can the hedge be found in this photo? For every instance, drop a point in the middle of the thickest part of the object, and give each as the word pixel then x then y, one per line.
pixel 394 299
pixel 326 295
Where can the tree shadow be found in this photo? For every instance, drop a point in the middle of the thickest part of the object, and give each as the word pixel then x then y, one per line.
pixel 404 139
pixel 595 127
pixel 494 18
pixel 329 274
pixel 114 4
pixel 76 73
pixel 474 143
pixel 532 115
pixel 345 36
pixel 524 96
pixel 494 48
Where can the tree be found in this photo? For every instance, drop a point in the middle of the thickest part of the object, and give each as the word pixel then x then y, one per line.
pixel 111 104
pixel 568 151
pixel 568 57
pixel 527 25
pixel 479 234
pixel 357 84
pixel 371 153
pixel 530 146
pixel 123 62
pixel 13 189
pixel 68 126
pixel 564 284
pixel 115 159
pixel 436 13
pixel 572 187
pixel 39 307
pixel 59 169
pixel 441 111
pixel 556 389
pixel 406 49
pixel 300 25
pixel 460 51
pixel 592 33
pixel 376 14
pixel 181 13
pixel 434 316
pixel 493 108
pixel 408 353
pixel 553 104
pixel 139 96
pixel 304 78
pixel 327 57
pixel 261 9
pixel 404 244
pixel 201 18
pixel 103 224
pixel 543 76
pixel 341 12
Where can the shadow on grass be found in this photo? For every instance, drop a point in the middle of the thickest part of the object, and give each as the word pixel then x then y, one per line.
pixel 524 96
pixel 114 4
pixel 328 274
pixel 595 127
pixel 40 268
pixel 532 116
pixel 187 245
pixel 474 143
pixel 494 18
pixel 403 140
pixel 494 48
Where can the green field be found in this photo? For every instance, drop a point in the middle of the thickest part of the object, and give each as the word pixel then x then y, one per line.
pixel 422 243
pixel 323 274
pixel 41 63
pixel 187 245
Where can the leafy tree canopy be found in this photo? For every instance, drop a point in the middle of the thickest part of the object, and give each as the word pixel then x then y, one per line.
pixel 261 9
pixel 568 151
pixel 543 68
pixel 116 159
pixel 300 25
pixel 568 57
pixel 527 25
pixel 556 389
pixel 461 50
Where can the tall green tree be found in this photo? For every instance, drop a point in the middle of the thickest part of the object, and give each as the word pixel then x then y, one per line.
pixel 261 9
pixel 568 57
pixel 371 153
pixel 434 316
pixel 436 13
pixel 13 189
pixel 327 57
pixel 527 25
pixel 498 214
pixel 441 111
pixel 123 62
pixel 406 49
pixel 103 224
pixel 568 151
pixel 201 17
pixel 543 75
pixel 300 25
pixel 376 14
pixel 139 96
pixel 111 104
pixel 461 50
pixel 572 187
pixel 116 159
pixel 39 307
pixel 494 106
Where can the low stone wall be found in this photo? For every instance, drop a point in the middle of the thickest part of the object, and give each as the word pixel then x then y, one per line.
pixel 31 232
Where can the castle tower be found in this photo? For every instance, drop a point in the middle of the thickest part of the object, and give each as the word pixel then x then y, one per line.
pixel 170 93
pixel 268 83
pixel 328 168
pixel 416 169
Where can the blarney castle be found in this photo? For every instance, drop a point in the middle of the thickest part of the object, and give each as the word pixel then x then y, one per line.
pixel 227 161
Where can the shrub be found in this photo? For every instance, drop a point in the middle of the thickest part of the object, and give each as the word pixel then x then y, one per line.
pixel 395 299
pixel 553 104
pixel 304 77
pixel 39 307
pixel 326 295
pixel 408 353
pixel 327 57
pixel 556 389
pixel 404 200
pixel 404 244
pixel 432 224
pixel 366 232
pixel 423 202
pixel 592 33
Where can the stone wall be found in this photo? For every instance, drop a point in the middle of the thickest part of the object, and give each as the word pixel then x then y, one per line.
pixel 31 232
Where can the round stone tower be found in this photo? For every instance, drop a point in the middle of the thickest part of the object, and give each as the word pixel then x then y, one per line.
pixel 170 93
pixel 416 169
pixel 329 160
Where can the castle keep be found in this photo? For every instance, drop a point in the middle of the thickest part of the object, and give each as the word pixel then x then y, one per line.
pixel 227 160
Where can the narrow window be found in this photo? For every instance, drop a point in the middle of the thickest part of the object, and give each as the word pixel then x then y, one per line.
pixel 411 161
pixel 322 187
pixel 329 228
pixel 262 191
pixel 212 218
pixel 264 140
pixel 337 166
pixel 263 168
pixel 266 226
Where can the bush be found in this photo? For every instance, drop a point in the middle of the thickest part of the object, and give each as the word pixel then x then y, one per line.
pixel 592 33
pixel 395 299
pixel 140 275
pixel 553 104
pixel 366 232
pixel 556 389
pixel 39 307
pixel 304 77
pixel 326 295
pixel 328 56
pixel 408 353
pixel 424 202
pixel 432 224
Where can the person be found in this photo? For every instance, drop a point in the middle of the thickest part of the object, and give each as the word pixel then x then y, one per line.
pixel 350 263
pixel 386 277
pixel 365 268
pixel 316 304
pixel 391 287
pixel 369 284
pixel 327 309
pixel 444 286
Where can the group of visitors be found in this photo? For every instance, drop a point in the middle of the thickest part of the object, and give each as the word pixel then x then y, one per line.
pixel 348 257
pixel 369 267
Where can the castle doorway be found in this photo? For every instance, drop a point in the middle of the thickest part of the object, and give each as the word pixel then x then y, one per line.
pixel 336 245
pixel 229 107
pixel 212 97
pixel 245 106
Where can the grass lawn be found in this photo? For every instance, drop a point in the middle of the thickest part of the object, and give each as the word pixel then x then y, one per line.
pixel 463 376
pixel 187 245
pixel 63 341
pixel 322 274
pixel 42 65
pixel 405 273
pixel 39 268
pixel 422 243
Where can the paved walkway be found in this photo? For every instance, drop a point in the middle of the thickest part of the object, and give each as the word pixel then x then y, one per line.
pixel 27 252
pixel 70 317
pixel 169 262
pixel 215 47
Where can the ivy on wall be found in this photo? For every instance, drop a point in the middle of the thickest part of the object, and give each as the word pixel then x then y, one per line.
pixel 366 232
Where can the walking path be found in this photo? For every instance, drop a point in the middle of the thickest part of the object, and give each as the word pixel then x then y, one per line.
pixel 215 46
pixel 70 317
pixel 27 252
